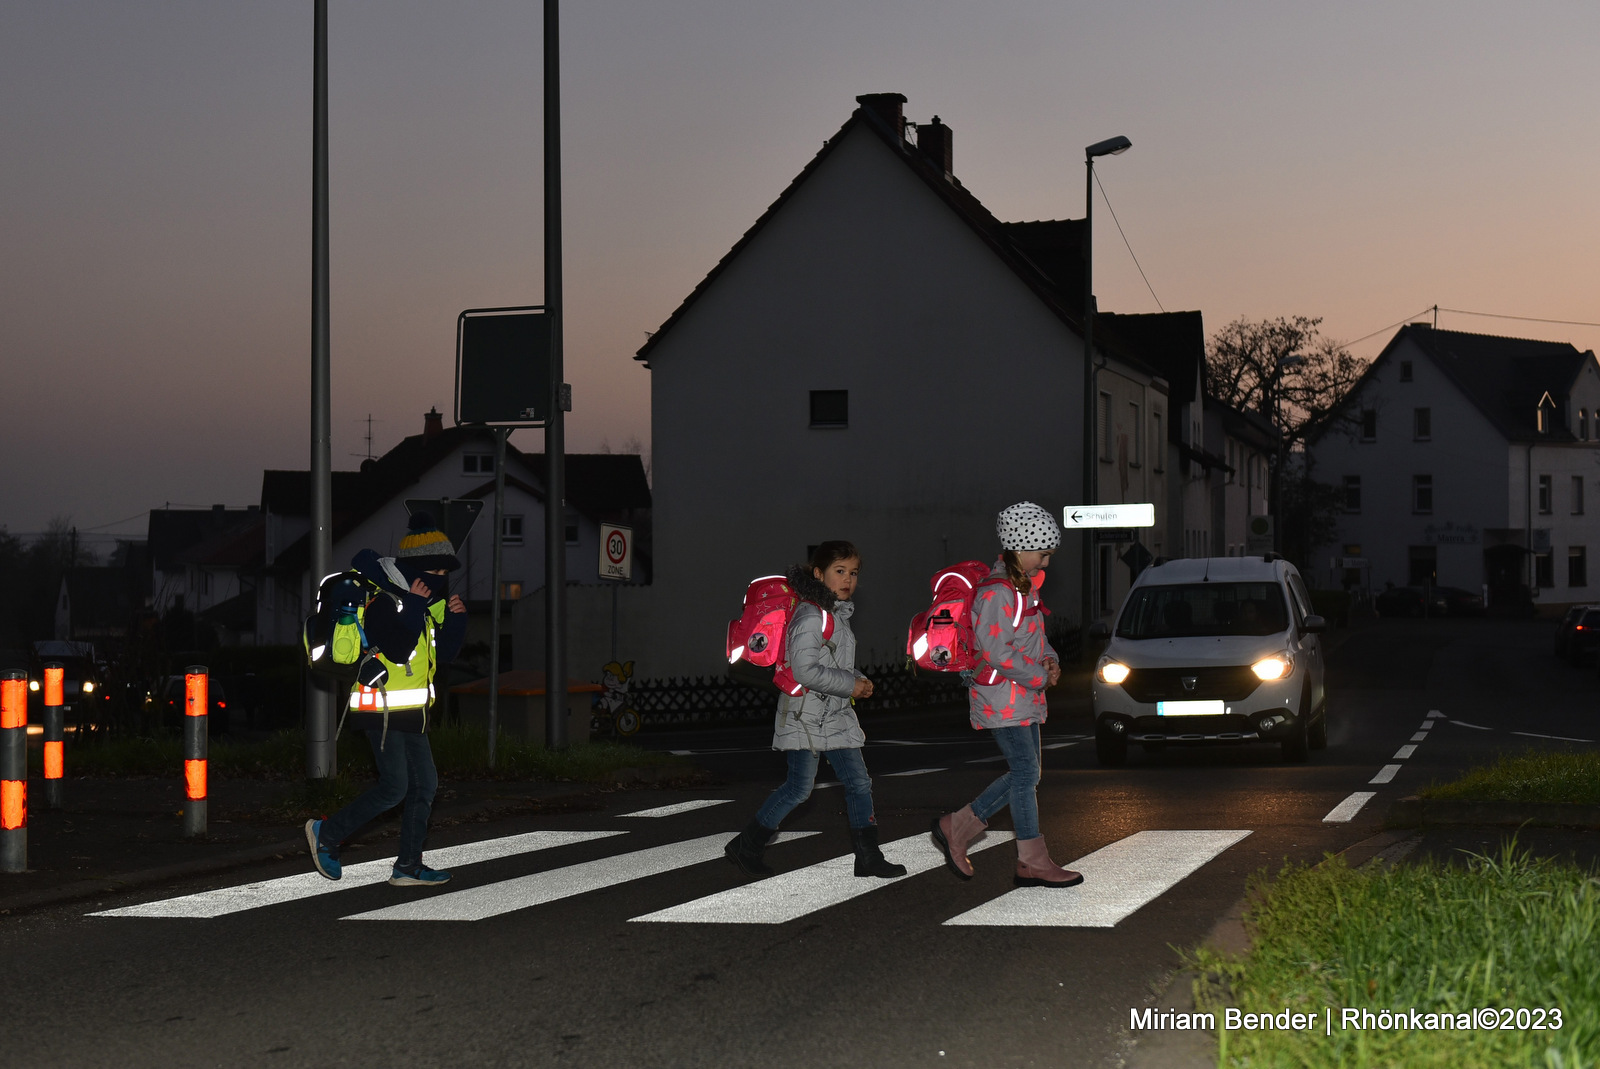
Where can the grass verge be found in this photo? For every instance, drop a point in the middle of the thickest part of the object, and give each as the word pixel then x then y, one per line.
pixel 1531 776
pixel 459 753
pixel 1508 931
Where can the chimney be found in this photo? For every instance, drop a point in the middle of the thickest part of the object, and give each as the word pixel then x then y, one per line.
pixel 933 141
pixel 889 108
pixel 432 424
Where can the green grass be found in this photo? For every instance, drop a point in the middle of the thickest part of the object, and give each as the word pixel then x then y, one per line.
pixel 1508 931
pixel 1532 776
pixel 459 754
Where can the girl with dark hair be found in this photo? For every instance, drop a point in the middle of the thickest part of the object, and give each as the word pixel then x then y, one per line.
pixel 821 722
pixel 1007 698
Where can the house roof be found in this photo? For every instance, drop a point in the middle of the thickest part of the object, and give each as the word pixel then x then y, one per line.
pixel 237 613
pixel 1041 254
pixel 1174 343
pixel 101 598
pixel 1504 378
pixel 173 531
pixel 242 544
pixel 1249 427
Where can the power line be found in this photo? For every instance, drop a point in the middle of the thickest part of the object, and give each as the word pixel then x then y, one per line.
pixel 1525 319
pixel 1125 241
pixel 1391 326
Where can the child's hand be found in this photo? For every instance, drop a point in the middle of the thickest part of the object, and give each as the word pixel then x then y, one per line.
pixel 1053 667
pixel 456 604
pixel 863 689
pixel 421 589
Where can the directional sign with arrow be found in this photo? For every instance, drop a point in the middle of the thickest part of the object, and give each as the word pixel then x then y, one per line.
pixel 1081 517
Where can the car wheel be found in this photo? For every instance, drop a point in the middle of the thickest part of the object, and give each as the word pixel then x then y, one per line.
pixel 1110 747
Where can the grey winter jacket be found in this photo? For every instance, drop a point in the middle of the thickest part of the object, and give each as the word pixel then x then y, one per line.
pixel 1009 629
pixel 822 718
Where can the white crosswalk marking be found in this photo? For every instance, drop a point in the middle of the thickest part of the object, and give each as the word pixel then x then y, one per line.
pixel 679 807
pixel 1404 752
pixel 989 760
pixel 224 900
pixel 915 772
pixel 523 892
pixel 1421 736
pixel 1117 880
pixel 1385 774
pixel 1345 811
pixel 794 894
pixel 1058 745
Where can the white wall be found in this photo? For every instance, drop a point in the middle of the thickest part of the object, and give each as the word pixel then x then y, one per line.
pixel 964 390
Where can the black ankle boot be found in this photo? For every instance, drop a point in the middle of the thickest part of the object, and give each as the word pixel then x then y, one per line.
pixel 745 850
pixel 869 859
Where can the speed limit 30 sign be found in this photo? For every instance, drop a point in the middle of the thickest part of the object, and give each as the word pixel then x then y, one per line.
pixel 616 552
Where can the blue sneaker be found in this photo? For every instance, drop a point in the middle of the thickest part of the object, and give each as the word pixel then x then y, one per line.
pixel 326 863
pixel 421 876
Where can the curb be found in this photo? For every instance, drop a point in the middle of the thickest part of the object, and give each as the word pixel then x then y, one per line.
pixel 1416 812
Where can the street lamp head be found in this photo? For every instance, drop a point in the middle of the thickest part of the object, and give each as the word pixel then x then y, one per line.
pixel 1115 146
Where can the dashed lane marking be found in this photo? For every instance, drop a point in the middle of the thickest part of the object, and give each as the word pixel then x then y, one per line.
pixel 1385 774
pixel 1421 736
pixel 224 900
pixel 678 807
pixel 1345 811
pixel 1434 714
pixel 791 895
pixel 1404 752
pixel 914 772
pixel 1117 880
pixel 524 892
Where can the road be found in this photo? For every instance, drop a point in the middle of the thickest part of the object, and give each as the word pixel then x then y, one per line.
pixel 629 941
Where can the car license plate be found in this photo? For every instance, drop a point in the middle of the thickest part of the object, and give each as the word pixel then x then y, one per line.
pixel 1211 708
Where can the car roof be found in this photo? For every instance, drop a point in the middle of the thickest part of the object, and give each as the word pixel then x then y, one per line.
pixel 1216 570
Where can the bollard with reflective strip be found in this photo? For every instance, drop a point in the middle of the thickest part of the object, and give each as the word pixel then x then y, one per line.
pixel 55 732
pixel 196 706
pixel 13 771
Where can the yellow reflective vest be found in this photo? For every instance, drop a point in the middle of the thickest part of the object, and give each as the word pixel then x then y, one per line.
pixel 410 684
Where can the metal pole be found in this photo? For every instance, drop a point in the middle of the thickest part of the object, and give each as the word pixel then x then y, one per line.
pixel 55 732
pixel 1089 399
pixel 320 744
pixel 555 498
pixel 614 586
pixel 500 435
pixel 196 710
pixel 13 771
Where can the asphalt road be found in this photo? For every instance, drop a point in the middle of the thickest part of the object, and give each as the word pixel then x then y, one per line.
pixel 558 969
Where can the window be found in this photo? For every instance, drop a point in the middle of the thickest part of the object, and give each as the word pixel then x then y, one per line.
pixel 1369 425
pixel 1158 444
pixel 477 463
pixel 511 590
pixel 1422 493
pixel 1577 495
pixel 1545 505
pixel 1424 565
pixel 511 530
pixel 1544 571
pixel 830 408
pixel 1577 566
pixel 1203 609
pixel 1108 433
pixel 1352 493
pixel 1136 420
pixel 1422 424
pixel 1405 371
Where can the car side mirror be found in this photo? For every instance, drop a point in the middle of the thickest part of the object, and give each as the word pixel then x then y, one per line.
pixel 1314 625
pixel 1099 630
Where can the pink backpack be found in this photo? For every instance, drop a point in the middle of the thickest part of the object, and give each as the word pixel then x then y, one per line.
pixel 757 637
pixel 941 637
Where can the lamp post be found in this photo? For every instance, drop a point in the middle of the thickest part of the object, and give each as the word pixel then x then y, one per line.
pixel 1277 420
pixel 1115 146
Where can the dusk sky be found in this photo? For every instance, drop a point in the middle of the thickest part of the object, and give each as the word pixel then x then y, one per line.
pixel 1358 161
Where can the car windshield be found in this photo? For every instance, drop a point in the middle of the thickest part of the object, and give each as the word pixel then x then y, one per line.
pixel 1203 609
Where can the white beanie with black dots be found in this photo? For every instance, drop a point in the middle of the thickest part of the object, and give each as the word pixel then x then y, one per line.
pixel 1025 526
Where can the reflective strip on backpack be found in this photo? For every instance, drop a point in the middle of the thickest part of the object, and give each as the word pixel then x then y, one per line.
pixel 370 699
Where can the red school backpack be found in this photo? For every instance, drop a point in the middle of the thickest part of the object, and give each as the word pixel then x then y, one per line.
pixel 758 635
pixel 941 636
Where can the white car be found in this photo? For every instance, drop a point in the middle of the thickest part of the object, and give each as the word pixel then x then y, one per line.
pixel 1213 649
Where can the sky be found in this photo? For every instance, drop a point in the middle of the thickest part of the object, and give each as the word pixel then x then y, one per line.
pixel 1360 162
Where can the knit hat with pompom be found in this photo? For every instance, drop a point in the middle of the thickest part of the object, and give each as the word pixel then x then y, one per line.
pixel 425 546
pixel 1026 526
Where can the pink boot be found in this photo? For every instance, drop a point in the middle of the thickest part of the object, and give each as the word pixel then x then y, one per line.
pixel 1035 869
pixel 952 833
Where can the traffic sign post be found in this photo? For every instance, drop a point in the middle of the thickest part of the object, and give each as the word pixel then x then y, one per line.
pixel 616 564
pixel 1085 517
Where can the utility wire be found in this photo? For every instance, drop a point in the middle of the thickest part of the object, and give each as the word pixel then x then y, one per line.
pixel 1125 241
pixel 1525 319
pixel 1391 326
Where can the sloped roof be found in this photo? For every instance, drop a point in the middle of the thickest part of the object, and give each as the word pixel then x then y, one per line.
pixel 173 531
pixel 101 597
pixel 240 545
pixel 237 613
pixel 1250 427
pixel 1174 343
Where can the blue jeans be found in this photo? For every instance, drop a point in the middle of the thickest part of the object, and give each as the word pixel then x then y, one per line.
pixel 847 765
pixel 1016 787
pixel 405 774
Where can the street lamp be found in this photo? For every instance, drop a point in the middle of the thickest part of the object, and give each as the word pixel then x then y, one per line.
pixel 1115 146
pixel 1277 420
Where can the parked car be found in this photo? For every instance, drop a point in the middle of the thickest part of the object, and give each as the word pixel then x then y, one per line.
pixel 80 677
pixel 1585 637
pixel 1461 602
pixel 1564 629
pixel 1411 601
pixel 1220 649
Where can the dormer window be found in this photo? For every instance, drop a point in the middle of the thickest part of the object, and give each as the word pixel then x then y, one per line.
pixel 1546 416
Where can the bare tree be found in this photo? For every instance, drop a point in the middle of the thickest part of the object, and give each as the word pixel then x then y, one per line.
pixel 1246 367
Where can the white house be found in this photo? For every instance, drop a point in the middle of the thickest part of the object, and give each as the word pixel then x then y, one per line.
pixel 877 359
pixel 1465 460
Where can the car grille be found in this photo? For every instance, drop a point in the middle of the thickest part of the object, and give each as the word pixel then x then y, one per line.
pixel 1230 683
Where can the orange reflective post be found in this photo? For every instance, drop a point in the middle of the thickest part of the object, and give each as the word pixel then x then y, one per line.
pixel 55 732
pixel 196 706
pixel 13 771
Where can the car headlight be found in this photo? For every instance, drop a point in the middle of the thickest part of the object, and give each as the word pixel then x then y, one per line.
pixel 1112 672
pixel 88 687
pixel 33 684
pixel 1275 667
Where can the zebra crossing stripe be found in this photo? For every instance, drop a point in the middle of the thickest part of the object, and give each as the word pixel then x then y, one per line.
pixel 524 892
pixel 1345 811
pixel 1117 880
pixel 225 900
pixel 790 895
pixel 679 807
pixel 914 772
pixel 1385 774
pixel 1058 745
